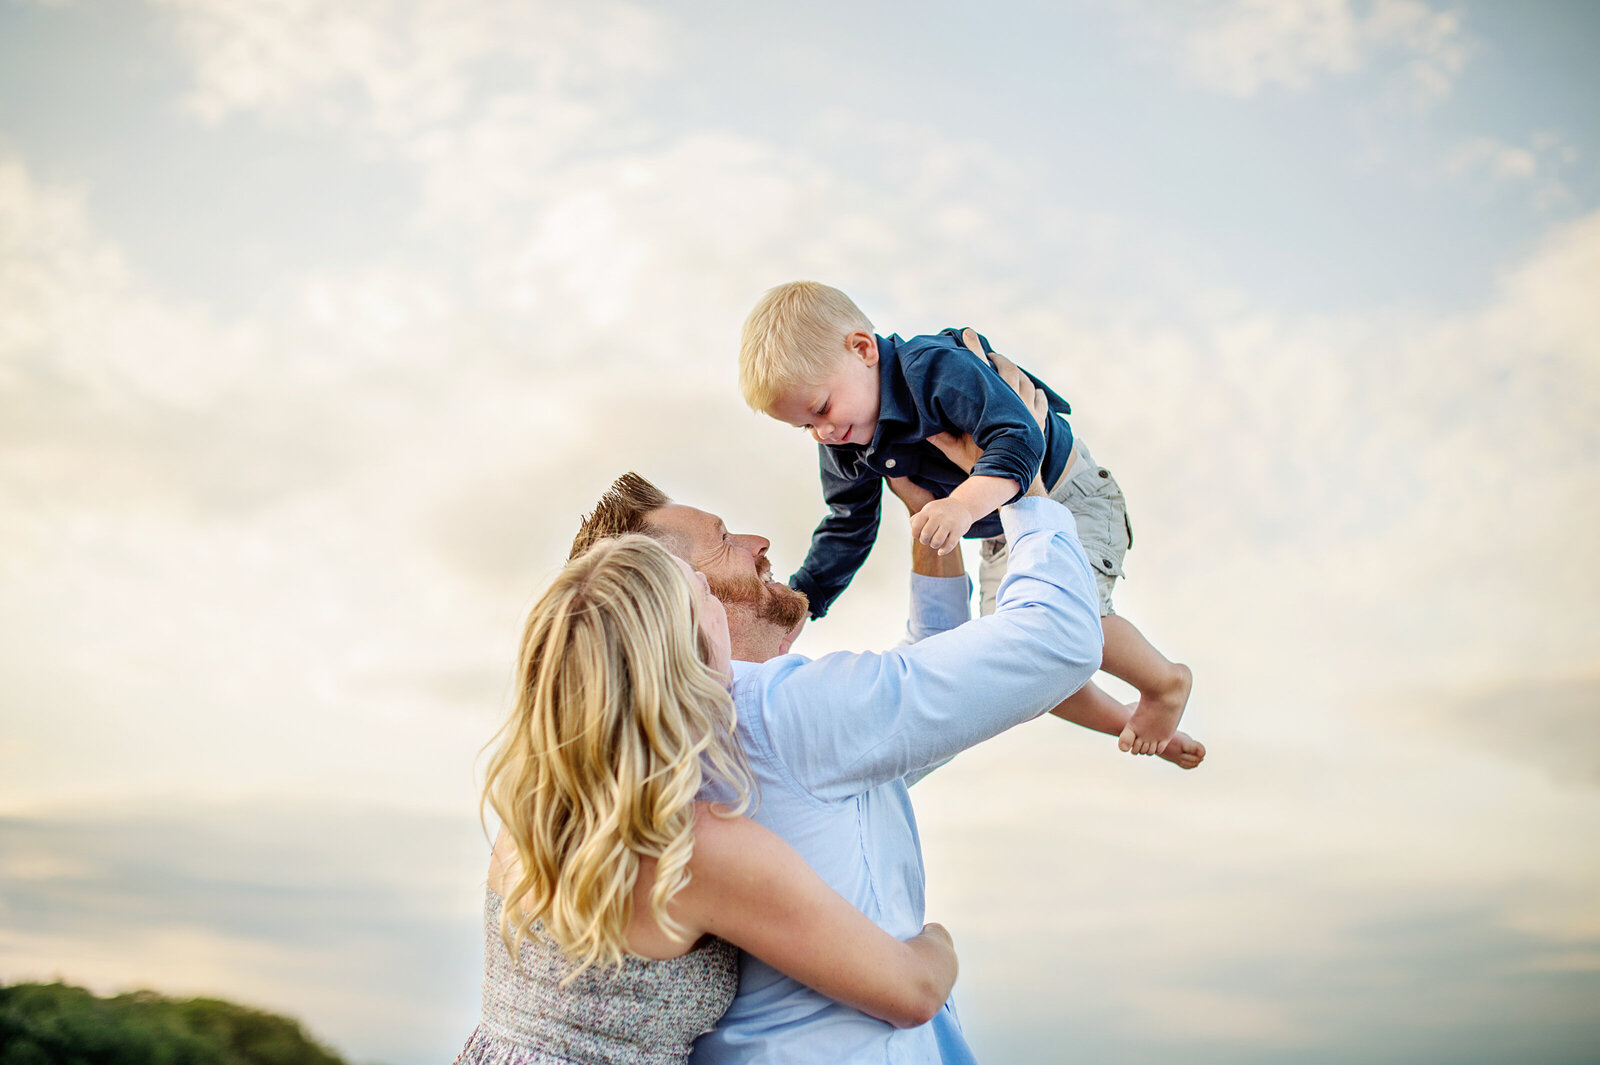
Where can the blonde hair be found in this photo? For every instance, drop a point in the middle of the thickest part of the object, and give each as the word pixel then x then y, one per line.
pixel 793 338
pixel 617 719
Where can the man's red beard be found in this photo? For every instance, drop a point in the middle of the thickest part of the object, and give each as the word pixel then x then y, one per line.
pixel 777 603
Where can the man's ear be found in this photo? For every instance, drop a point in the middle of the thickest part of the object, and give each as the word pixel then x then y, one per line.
pixel 864 346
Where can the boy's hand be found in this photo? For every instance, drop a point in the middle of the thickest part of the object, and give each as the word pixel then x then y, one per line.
pixel 941 524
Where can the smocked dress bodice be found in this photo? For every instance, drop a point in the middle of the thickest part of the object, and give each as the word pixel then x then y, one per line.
pixel 648 1013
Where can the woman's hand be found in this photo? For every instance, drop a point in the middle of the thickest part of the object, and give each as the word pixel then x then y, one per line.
pixel 751 888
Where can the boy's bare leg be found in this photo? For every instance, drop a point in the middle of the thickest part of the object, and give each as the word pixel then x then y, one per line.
pixel 1163 686
pixel 1093 707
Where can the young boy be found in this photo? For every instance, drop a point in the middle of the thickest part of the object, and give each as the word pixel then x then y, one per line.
pixel 809 357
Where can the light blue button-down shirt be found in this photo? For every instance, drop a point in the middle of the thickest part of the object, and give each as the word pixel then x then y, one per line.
pixel 833 743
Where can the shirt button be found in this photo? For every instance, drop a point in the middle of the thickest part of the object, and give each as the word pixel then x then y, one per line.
pixel 889 463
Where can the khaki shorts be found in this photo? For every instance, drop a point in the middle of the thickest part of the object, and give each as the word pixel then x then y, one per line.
pixel 1095 499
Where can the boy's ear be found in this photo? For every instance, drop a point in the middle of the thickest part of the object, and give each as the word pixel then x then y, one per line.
pixel 864 346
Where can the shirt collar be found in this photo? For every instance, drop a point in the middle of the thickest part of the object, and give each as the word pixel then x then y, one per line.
pixel 894 400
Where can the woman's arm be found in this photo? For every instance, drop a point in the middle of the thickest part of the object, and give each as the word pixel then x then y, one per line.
pixel 754 890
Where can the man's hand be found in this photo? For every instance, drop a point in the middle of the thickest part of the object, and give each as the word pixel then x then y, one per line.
pixel 942 523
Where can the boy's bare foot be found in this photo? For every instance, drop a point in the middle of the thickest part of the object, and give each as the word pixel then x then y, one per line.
pixel 1155 719
pixel 1184 751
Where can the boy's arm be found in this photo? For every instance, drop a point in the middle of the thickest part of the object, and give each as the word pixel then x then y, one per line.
pixel 963 392
pixel 971 397
pixel 842 540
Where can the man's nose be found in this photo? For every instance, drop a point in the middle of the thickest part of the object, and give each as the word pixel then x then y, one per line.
pixel 756 545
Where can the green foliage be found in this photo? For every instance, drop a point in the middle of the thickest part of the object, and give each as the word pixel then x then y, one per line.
pixel 56 1024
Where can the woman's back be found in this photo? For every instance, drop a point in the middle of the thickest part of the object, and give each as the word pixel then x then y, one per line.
pixel 649 1012
pixel 622 711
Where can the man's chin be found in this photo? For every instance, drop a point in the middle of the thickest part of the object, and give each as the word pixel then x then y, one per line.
pixel 770 600
pixel 785 606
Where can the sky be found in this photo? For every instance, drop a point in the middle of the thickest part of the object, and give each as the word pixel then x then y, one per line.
pixel 321 324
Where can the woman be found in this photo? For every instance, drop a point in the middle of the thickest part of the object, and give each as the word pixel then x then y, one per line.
pixel 631 892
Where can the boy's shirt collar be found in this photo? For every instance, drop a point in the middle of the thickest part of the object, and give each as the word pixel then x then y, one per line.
pixel 894 401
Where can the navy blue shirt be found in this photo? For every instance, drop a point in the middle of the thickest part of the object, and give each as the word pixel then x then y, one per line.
pixel 927 385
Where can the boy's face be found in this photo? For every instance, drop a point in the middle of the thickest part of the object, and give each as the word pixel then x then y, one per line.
pixel 843 407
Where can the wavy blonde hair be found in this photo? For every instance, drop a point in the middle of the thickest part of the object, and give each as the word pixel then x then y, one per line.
pixel 617 721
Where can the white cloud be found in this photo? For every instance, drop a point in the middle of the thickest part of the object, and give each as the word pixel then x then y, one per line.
pixel 1499 159
pixel 1536 166
pixel 395 68
pixel 425 434
pixel 1244 47
pixel 1440 465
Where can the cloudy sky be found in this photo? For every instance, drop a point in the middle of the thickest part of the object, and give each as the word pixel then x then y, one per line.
pixel 321 323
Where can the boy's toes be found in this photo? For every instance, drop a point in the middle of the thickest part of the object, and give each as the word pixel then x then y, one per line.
pixel 1127 740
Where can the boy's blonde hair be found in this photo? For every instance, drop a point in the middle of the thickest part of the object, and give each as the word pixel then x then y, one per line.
pixel 794 338
pixel 619 723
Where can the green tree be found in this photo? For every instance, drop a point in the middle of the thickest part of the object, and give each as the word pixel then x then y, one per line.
pixel 57 1024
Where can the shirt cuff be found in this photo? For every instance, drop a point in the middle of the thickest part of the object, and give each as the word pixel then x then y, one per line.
pixel 1031 513
pixel 938 604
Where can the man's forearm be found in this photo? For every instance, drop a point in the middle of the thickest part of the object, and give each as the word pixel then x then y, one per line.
pixel 929 563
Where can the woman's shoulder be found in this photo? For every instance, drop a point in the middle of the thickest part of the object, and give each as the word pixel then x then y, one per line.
pixel 717 829
pixel 729 845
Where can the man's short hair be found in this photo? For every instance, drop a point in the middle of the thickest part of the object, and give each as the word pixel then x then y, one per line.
pixel 793 339
pixel 625 508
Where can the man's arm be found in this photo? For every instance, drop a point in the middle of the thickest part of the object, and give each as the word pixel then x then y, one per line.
pixel 849 722
pixel 941 593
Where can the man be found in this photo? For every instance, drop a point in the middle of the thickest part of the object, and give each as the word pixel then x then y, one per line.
pixel 835 742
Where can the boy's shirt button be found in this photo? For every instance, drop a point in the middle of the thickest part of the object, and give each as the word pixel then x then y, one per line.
pixel 889 463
